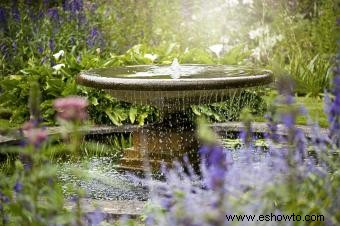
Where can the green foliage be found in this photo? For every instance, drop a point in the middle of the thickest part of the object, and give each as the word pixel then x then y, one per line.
pixel 111 146
pixel 34 196
pixel 61 83
pixel 230 109
pixel 309 46
pixel 312 196
pixel 313 77
pixel 299 37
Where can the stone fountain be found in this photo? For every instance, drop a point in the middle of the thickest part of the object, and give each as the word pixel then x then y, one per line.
pixel 172 89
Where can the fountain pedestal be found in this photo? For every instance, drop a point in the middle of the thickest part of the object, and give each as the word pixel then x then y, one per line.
pixel 161 143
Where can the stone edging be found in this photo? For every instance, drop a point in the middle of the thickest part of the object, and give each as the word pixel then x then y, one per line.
pixel 219 128
pixel 112 209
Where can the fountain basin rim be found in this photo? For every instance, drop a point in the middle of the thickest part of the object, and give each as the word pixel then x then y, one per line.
pixel 90 79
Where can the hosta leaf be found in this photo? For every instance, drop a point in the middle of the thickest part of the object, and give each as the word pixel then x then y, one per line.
pixel 9 84
pixel 142 117
pixel 132 114
pixel 114 119
pixel 121 113
pixel 196 110
pixel 70 89
pixel 94 101
pixel 54 87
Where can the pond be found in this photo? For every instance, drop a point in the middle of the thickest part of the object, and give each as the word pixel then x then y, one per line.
pixel 105 179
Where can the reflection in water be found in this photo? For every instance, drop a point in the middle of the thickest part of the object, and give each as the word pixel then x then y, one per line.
pixel 176 71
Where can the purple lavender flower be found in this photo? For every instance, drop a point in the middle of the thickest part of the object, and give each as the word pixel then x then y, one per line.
pixel 4 50
pixel 334 112
pixel 216 177
pixel 51 44
pixel 64 5
pixel 93 37
pixel 167 202
pixel 74 198
pixel 52 62
pixel 92 6
pixel 53 13
pixel 272 127
pixel 246 134
pixel 150 220
pixel 75 6
pixel 15 14
pixel 40 49
pixel 215 159
pixel 213 154
pixel 300 142
pixel 288 119
pixel 95 218
pixel 82 20
pixel 4 198
pixel 94 32
pixel 46 3
pixel 18 187
pixel 3 19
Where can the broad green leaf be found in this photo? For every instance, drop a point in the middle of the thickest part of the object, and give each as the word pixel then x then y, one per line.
pixel 142 117
pixel 196 110
pixel 94 101
pixel 114 119
pixel 132 114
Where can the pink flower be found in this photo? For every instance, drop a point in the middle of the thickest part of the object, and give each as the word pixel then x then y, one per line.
pixel 71 108
pixel 28 125
pixel 34 135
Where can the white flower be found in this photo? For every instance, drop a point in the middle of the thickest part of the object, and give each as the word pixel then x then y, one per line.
pixel 259 32
pixel 151 57
pixel 271 41
pixel 256 53
pixel 217 49
pixel 58 67
pixel 59 54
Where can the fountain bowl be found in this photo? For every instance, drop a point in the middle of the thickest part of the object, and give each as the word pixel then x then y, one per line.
pixel 156 85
